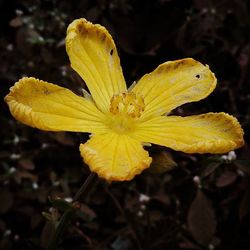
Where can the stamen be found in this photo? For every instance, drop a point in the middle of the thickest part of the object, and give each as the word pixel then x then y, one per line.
pixel 128 104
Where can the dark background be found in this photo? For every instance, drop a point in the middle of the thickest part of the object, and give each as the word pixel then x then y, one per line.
pixel 203 203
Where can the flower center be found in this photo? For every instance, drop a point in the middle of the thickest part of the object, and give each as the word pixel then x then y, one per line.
pixel 125 108
pixel 128 104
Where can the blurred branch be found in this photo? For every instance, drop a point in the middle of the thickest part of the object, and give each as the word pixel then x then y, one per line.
pixel 133 229
pixel 69 213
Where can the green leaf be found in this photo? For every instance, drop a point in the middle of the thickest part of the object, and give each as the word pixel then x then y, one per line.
pixel 61 204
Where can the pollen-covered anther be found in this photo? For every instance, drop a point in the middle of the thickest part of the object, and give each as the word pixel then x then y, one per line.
pixel 127 103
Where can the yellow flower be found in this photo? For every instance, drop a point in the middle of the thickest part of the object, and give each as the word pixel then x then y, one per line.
pixel 122 119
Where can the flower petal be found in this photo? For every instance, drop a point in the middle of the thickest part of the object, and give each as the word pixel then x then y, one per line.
pixel 93 55
pixel 207 133
pixel 173 84
pixel 115 157
pixel 50 107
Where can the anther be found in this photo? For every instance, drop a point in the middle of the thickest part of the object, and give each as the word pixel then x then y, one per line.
pixel 127 103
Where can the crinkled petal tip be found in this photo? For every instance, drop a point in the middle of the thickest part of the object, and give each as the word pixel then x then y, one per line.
pixel 93 55
pixel 175 83
pixel 207 133
pixel 47 106
pixel 115 157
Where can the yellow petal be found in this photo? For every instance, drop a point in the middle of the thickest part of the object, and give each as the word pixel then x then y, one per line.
pixel 93 55
pixel 207 133
pixel 50 107
pixel 115 157
pixel 173 84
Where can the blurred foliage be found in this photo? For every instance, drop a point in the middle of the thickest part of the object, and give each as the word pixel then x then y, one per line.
pixel 203 203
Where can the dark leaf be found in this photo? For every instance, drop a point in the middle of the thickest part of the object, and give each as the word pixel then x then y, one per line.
pixel 244 208
pixel 20 175
pixel 6 200
pixel 226 179
pixel 201 219
pixel 209 165
pixel 26 164
pixel 162 162
pixel 63 138
pixel 209 169
pixel 86 212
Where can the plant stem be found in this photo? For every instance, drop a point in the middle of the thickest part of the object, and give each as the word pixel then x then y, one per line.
pixel 68 214
pixel 133 230
pixel 86 186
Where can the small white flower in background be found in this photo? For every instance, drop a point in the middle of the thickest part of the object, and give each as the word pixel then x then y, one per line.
pixel 213 10
pixel 68 199
pixel 12 170
pixel 144 198
pixel 35 185
pixel 63 71
pixel 19 12
pixel 16 139
pixel 45 145
pixel 15 156
pixel 7 232
pixel 10 47
pixel 32 26
pixel 211 247
pixel 140 214
pixel 240 172
pixel 197 181
pixel 231 156
pixel 204 10
pixel 56 183
pixel 40 38
pixel 16 237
